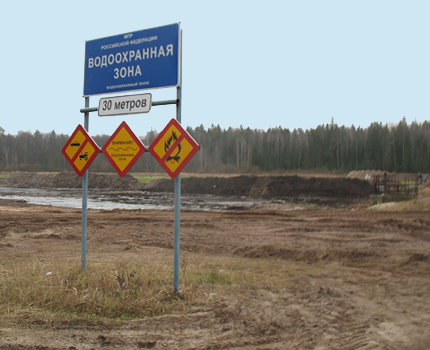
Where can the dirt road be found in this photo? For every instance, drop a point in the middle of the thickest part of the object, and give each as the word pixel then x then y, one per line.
pixel 359 279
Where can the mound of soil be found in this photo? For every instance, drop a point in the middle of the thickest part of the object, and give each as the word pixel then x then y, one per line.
pixel 267 186
pixel 247 186
pixel 68 179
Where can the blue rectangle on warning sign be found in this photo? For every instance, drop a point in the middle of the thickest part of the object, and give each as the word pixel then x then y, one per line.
pixel 146 59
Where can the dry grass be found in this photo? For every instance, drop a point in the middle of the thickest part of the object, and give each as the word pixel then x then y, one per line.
pixel 33 292
pixel 57 294
pixel 421 203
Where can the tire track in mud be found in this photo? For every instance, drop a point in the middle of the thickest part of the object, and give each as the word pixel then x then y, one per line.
pixel 361 275
pixel 336 323
pixel 320 319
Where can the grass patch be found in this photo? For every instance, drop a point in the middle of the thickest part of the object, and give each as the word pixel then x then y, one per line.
pixel 243 273
pixel 57 294
pixel 148 178
pixel 409 203
pixel 418 204
pixel 2 176
pixel 107 292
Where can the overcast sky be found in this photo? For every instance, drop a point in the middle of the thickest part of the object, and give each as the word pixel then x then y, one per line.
pixel 259 64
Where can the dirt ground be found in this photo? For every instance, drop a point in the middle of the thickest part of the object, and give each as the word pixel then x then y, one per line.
pixel 361 278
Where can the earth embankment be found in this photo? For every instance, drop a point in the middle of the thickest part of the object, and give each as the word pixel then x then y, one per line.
pixel 268 186
pixel 68 179
pixel 245 185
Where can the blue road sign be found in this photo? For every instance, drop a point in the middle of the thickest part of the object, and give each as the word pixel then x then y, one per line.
pixel 141 60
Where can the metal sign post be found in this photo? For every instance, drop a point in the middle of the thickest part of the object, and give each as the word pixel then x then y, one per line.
pixel 114 64
pixel 177 222
pixel 85 198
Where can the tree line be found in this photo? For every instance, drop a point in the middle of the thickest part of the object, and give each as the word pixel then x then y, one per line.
pixel 397 147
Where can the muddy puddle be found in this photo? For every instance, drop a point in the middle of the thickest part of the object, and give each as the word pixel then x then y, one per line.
pixel 109 200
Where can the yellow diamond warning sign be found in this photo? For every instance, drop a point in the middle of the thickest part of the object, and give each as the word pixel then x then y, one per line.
pixel 123 149
pixel 173 148
pixel 80 150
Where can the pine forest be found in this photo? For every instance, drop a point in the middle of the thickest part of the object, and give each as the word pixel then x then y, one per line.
pixel 400 147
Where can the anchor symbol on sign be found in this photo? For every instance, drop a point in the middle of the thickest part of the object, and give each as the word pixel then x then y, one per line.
pixel 167 144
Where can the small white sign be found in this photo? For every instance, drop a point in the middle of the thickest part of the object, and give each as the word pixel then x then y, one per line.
pixel 131 104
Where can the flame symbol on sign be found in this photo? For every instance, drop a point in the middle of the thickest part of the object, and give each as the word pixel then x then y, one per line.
pixel 167 145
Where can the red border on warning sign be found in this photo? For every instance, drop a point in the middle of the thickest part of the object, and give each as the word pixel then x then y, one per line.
pixel 184 135
pixel 89 139
pixel 134 159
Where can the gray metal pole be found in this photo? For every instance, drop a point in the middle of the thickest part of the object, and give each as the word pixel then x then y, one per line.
pixel 176 245
pixel 85 199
